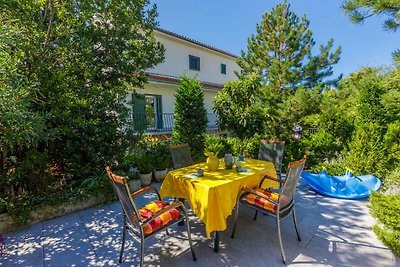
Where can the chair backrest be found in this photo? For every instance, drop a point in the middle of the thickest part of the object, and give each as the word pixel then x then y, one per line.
pixel 288 190
pixel 120 185
pixel 181 155
pixel 271 150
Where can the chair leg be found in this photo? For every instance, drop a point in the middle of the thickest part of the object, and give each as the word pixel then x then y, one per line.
pixel 181 223
pixel 141 251
pixel 255 215
pixel 280 239
pixel 189 235
pixel 235 220
pixel 123 241
pixel 295 225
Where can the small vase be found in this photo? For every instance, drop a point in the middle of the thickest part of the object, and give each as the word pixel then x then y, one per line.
pixel 212 163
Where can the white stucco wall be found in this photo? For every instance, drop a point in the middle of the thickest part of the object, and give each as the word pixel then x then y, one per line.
pixel 176 64
pixel 176 61
pixel 167 92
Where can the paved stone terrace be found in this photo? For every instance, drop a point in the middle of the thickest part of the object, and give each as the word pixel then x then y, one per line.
pixel 334 233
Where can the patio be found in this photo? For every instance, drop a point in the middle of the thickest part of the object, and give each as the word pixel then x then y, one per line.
pixel 334 233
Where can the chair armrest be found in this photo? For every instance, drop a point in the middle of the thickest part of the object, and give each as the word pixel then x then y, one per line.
pixel 167 208
pixel 281 181
pixel 255 192
pixel 144 190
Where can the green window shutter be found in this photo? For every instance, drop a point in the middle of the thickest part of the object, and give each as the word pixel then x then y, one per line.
pixel 160 123
pixel 139 112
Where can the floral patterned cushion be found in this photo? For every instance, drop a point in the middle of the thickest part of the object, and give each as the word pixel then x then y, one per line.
pixel 148 210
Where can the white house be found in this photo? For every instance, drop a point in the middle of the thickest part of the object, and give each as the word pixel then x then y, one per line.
pixel 153 105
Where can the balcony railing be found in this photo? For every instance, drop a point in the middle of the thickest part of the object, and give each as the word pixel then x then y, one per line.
pixel 164 122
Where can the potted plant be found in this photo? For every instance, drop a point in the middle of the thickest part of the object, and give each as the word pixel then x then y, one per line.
pixel 161 167
pixel 162 160
pixel 132 175
pixel 144 163
pixel 134 180
pixel 212 151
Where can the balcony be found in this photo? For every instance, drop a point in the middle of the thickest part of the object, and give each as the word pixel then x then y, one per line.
pixel 164 122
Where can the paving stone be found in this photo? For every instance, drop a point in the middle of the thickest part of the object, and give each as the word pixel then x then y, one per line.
pixel 63 222
pixel 334 232
pixel 70 246
pixel 24 247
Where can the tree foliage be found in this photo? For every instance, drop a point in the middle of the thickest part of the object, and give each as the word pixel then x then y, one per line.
pixel 190 116
pixel 239 107
pixel 65 68
pixel 359 10
pixel 281 54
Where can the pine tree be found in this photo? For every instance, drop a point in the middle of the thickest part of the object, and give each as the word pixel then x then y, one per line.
pixel 359 10
pixel 281 52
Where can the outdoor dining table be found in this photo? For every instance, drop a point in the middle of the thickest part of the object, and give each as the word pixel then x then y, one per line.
pixel 212 197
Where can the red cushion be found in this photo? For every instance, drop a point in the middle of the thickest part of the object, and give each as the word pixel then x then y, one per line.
pixel 158 222
pixel 262 202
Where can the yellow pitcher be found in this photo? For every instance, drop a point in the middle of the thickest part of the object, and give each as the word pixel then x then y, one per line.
pixel 212 162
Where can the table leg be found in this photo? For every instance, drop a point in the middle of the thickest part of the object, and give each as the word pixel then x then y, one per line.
pixel 181 223
pixel 216 241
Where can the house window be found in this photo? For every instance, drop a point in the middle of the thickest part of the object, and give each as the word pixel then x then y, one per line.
pixel 223 68
pixel 151 111
pixel 194 63
pixel 147 112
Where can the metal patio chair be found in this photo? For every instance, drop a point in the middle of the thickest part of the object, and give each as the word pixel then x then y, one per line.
pixel 277 204
pixel 150 219
pixel 272 150
pixel 181 155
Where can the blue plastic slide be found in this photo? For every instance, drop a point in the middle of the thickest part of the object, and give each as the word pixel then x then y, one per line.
pixel 346 186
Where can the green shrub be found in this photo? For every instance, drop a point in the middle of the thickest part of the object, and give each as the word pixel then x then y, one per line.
pixel 294 149
pixel 190 116
pixel 31 173
pixel 239 107
pixel 392 145
pixel 386 209
pixel 19 207
pixel 320 147
pixel 392 179
pixel 142 159
pixel 366 150
pixel 247 147
pixel 97 185
pixel 332 168
pixel 62 118
pixel 161 154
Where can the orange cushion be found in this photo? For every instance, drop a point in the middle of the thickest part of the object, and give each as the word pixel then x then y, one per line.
pixel 262 202
pixel 158 222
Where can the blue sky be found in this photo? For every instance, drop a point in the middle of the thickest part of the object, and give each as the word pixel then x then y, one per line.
pixel 227 24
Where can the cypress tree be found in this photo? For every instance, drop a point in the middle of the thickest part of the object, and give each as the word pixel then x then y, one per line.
pixel 190 116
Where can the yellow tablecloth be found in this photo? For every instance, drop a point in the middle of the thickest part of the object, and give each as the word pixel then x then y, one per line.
pixel 213 196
